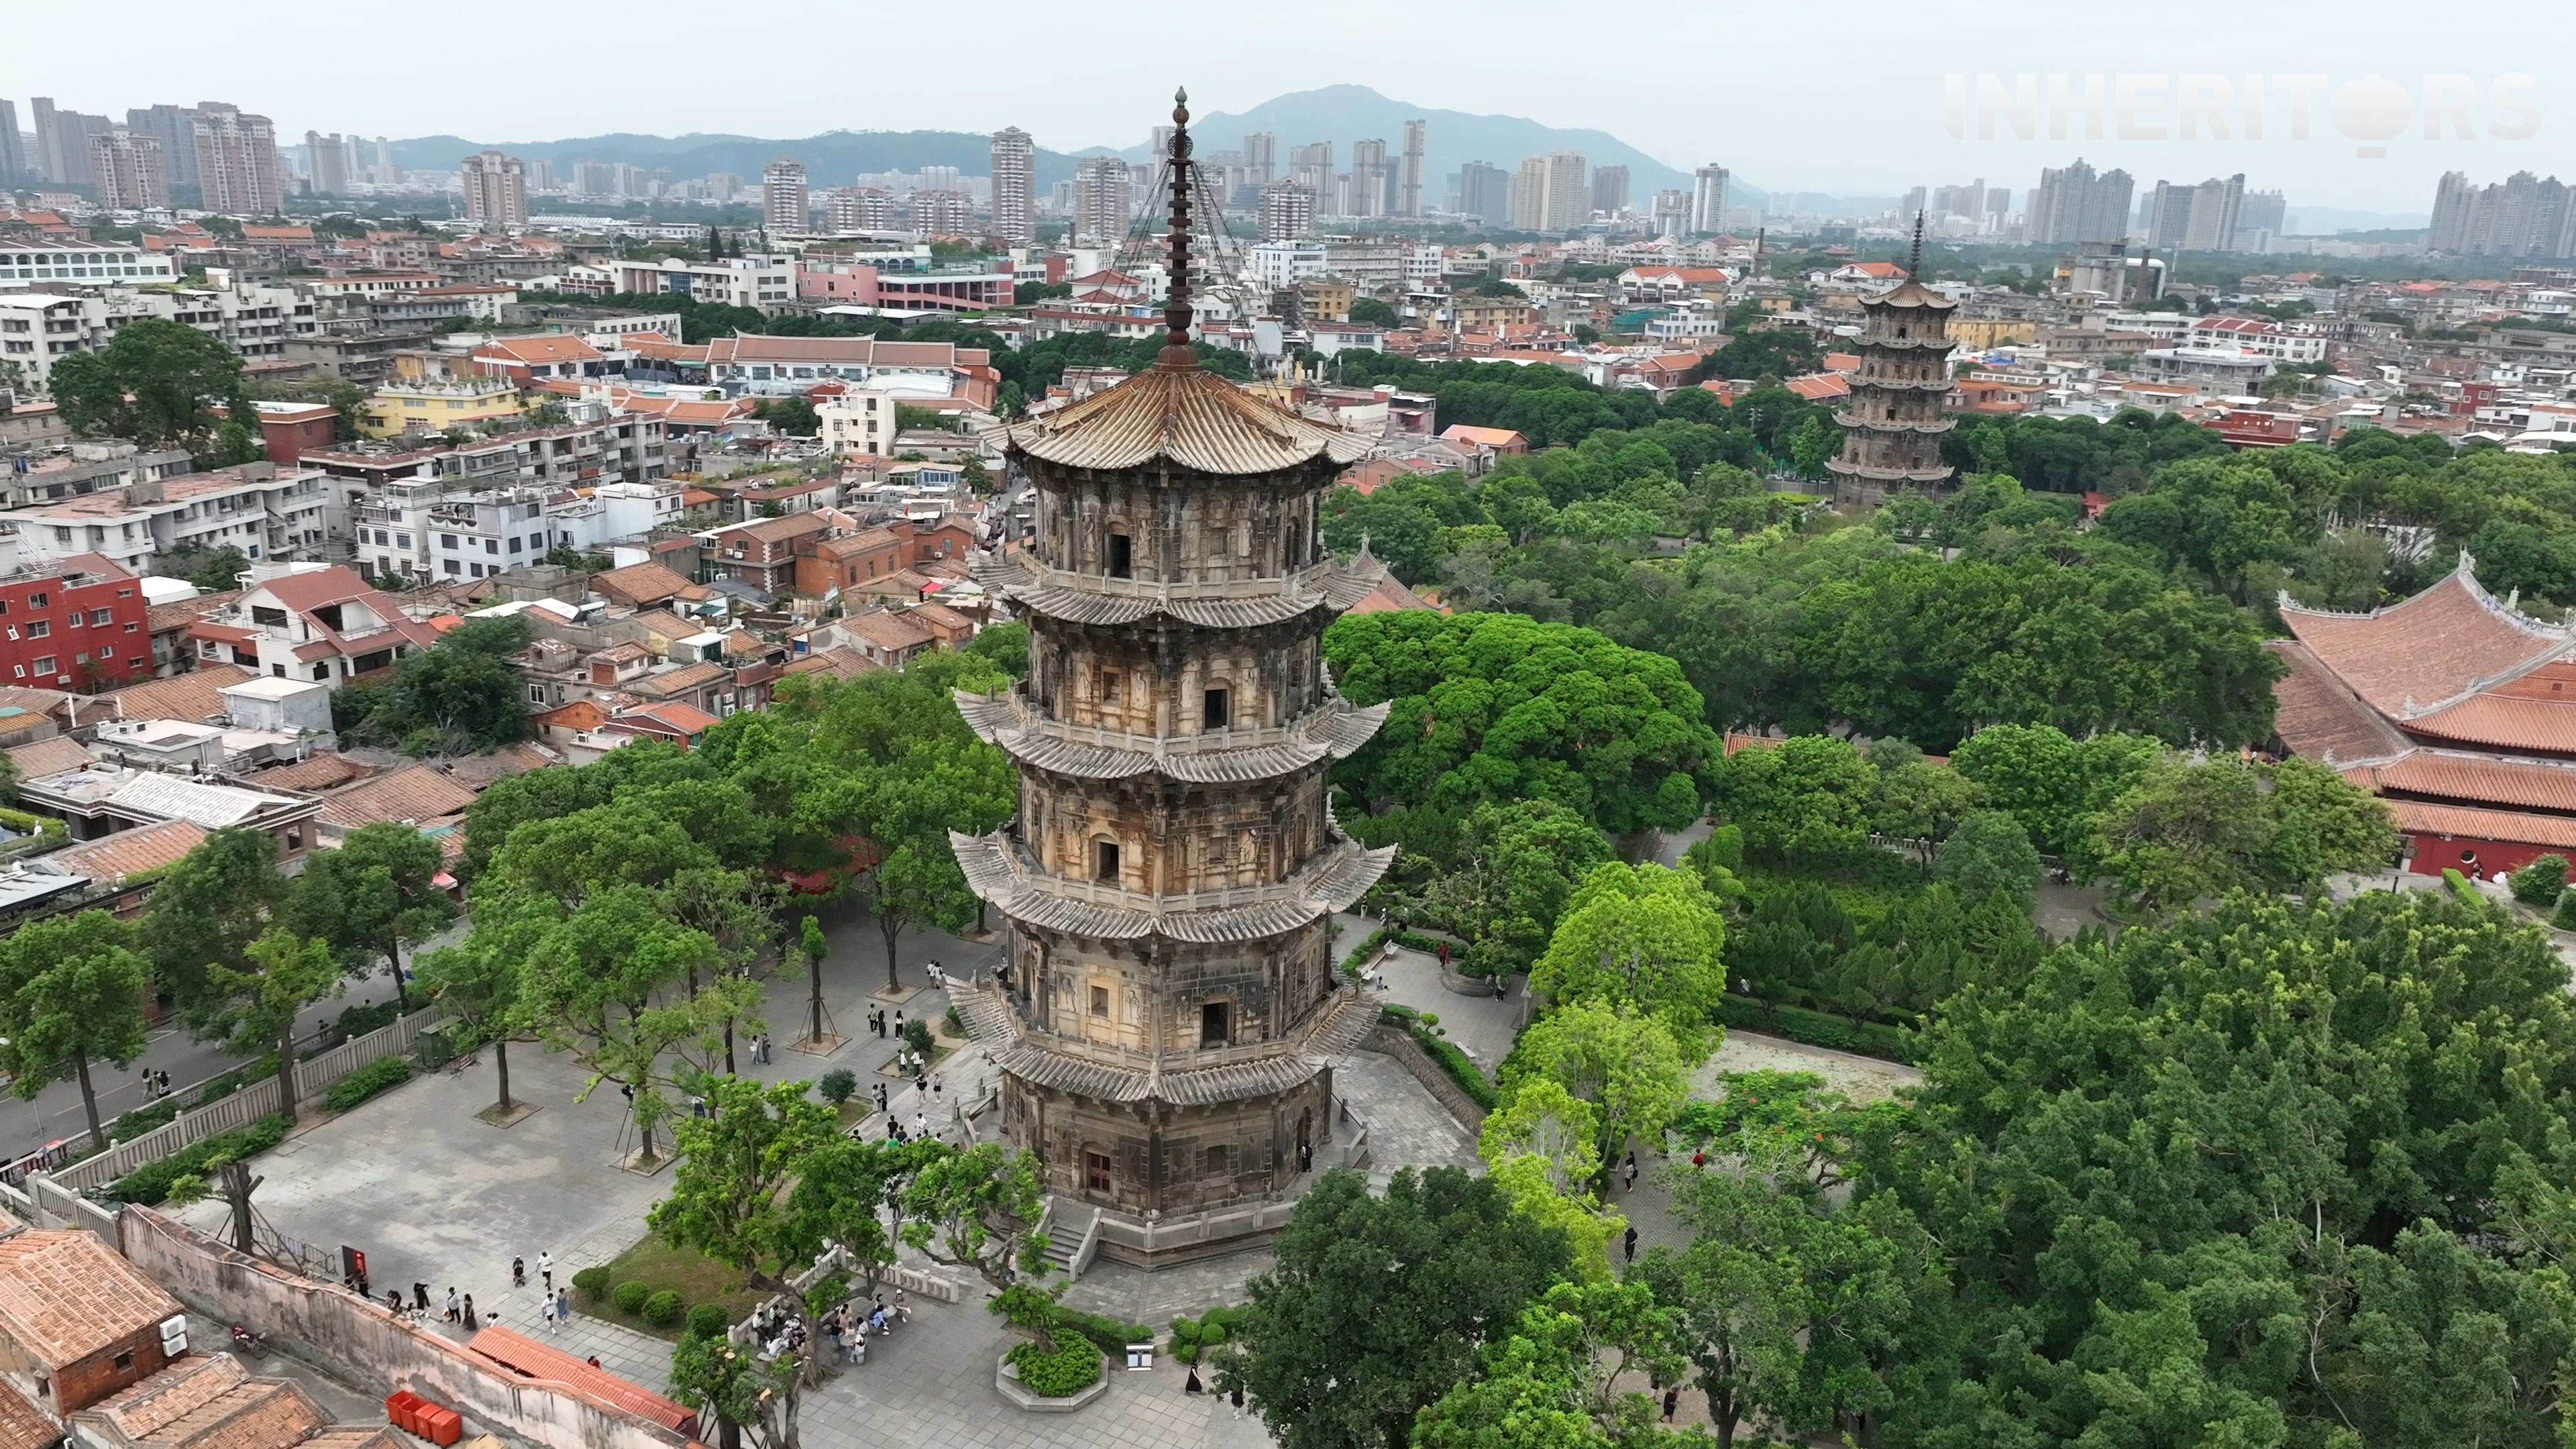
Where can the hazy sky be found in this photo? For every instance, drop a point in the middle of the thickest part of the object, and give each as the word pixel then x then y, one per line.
pixel 1848 98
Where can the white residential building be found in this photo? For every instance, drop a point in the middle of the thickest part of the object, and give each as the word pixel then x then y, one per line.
pixel 265 512
pixel 766 282
pixel 1276 264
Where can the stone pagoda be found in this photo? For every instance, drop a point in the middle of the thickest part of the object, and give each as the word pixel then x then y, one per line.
pixel 1893 427
pixel 1168 1008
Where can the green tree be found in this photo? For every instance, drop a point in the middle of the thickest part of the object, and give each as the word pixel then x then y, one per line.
pixel 1640 936
pixel 1377 1306
pixel 738 1389
pixel 1919 801
pixel 481 987
pixel 1522 860
pixel 1542 1147
pixel 205 913
pixel 1372 312
pixel 729 1199
pixel 1553 1382
pixel 913 804
pixel 2187 830
pixel 794 416
pixel 373 895
pixel 979 1209
pixel 1990 854
pixel 2053 784
pixel 1624 1062
pixel 258 1006
pixel 459 695
pixel 71 992
pixel 1806 799
pixel 153 383
pixel 1492 707
pixel 2205 1211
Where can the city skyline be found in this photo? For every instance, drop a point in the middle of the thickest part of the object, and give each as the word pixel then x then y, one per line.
pixel 1898 141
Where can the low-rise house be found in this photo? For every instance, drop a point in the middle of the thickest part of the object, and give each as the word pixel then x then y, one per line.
pixel 762 553
pixel 886 638
pixel 103 799
pixel 77 1322
pixel 639 586
pixel 325 624
pixel 417 794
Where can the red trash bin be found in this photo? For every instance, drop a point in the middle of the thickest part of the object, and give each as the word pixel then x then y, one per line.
pixel 403 1408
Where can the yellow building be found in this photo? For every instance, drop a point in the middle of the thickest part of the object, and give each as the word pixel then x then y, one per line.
pixel 1319 300
pixel 433 406
pixel 1978 333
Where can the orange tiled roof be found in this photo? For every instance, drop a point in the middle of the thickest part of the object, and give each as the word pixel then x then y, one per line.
pixel 2415 817
pixel 2428 649
pixel 2318 715
pixel 533 1360
pixel 129 853
pixel 21 1425
pixel 2472 779
pixel 195 695
pixel 65 1295
pixel 417 793
pixel 49 757
pixel 321 772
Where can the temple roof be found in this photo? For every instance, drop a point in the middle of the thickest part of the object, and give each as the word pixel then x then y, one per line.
pixel 2319 716
pixel 1909 293
pixel 2427 651
pixel 1187 416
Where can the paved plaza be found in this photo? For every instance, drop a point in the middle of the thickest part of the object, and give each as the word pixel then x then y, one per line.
pixel 434 1195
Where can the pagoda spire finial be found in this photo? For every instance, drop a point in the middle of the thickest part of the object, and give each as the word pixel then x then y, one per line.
pixel 1176 313
pixel 1914 262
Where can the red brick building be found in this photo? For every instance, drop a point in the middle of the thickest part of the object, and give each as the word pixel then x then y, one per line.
pixel 77 1322
pixel 75 623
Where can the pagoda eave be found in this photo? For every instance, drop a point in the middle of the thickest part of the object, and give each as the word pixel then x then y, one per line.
pixel 1005 721
pixel 1263 1071
pixel 1330 881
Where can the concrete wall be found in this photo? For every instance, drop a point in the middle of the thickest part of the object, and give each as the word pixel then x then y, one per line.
pixel 332 1328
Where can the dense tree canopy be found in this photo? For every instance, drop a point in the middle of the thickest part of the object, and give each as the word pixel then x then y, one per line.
pixel 2280 1174
pixel 1492 707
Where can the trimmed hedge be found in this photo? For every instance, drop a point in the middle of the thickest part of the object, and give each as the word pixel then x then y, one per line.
pixel 591 1283
pixel 135 1123
pixel 629 1296
pixel 1073 1367
pixel 1110 1335
pixel 365 1082
pixel 1192 1337
pixel 708 1320
pixel 1814 1028
pixel 150 1183
pixel 666 1308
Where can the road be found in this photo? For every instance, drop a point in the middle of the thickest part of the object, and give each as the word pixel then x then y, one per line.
pixel 55 1114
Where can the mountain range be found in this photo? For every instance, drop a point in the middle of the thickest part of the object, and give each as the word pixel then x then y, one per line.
pixel 1340 114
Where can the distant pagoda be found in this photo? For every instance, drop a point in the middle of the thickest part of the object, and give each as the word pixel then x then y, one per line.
pixel 1169 1009
pixel 1893 426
